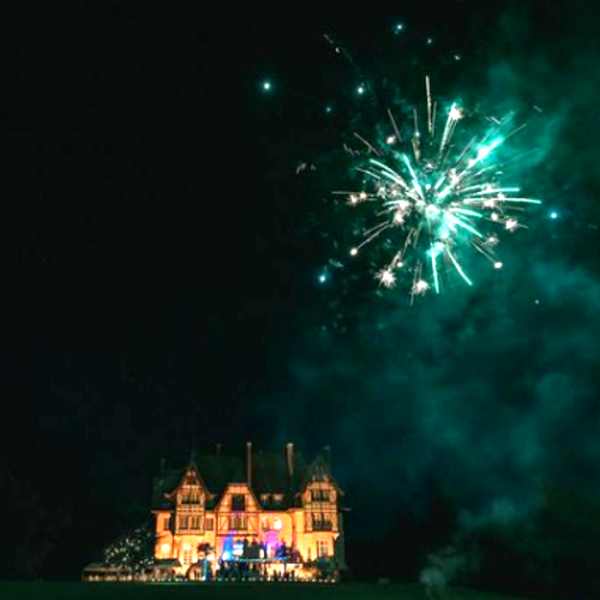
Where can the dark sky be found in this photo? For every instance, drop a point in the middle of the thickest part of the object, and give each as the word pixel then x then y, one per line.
pixel 160 264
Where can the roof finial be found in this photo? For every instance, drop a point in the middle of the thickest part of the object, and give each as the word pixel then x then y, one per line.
pixel 193 440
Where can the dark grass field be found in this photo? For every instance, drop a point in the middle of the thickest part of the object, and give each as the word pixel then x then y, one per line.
pixel 116 591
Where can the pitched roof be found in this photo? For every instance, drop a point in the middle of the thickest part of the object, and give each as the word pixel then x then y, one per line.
pixel 215 471
pixel 316 471
pixel 269 475
pixel 165 482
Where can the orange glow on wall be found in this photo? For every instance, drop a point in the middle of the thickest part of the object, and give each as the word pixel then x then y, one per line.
pixel 287 504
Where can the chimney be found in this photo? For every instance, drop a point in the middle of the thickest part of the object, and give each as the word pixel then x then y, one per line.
pixel 327 451
pixel 289 455
pixel 249 463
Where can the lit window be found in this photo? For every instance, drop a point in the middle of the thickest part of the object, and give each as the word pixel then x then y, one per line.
pixel 210 524
pixel 322 548
pixel 317 521
pixel 319 495
pixel 187 557
pixel 190 496
pixel 321 522
pixel 237 522
pixel 277 524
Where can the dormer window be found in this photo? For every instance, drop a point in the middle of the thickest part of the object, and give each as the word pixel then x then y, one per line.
pixel 271 500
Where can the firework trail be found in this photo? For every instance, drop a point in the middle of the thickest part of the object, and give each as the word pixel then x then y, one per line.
pixel 437 198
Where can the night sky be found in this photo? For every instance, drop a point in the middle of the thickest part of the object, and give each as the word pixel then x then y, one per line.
pixel 162 253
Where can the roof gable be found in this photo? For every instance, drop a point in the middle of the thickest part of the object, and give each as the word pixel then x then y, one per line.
pixel 270 475
pixel 191 476
pixel 212 471
pixel 319 472
pixel 238 488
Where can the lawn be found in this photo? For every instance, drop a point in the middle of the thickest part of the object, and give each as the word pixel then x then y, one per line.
pixel 223 591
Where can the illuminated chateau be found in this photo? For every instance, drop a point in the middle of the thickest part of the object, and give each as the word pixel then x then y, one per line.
pixel 271 509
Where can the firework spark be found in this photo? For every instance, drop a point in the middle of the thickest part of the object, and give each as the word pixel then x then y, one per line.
pixel 437 199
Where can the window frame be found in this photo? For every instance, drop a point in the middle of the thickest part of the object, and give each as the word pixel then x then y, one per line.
pixel 238 522
pixel 323 545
